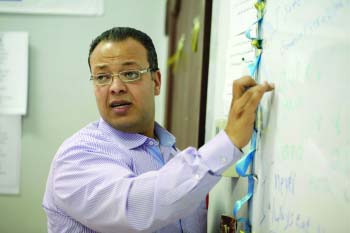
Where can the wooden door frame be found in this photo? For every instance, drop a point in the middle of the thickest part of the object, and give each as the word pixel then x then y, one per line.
pixel 173 8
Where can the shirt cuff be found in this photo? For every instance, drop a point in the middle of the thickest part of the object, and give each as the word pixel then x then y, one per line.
pixel 220 153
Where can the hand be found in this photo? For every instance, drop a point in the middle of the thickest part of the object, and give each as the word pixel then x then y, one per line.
pixel 246 97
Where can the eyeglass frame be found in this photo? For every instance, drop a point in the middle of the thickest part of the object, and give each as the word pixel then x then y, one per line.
pixel 113 75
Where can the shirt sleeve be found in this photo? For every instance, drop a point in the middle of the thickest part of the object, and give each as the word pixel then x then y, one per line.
pixel 105 198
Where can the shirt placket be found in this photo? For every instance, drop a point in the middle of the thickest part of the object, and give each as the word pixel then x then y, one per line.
pixel 153 149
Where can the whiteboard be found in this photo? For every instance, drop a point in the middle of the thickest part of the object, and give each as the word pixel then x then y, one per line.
pixel 303 160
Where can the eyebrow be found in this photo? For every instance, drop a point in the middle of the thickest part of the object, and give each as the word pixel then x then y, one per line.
pixel 125 63
pixel 101 66
pixel 128 63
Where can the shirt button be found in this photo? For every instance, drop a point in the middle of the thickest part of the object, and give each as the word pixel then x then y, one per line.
pixel 223 160
pixel 197 176
pixel 150 143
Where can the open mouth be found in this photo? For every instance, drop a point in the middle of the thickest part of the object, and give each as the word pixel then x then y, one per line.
pixel 119 104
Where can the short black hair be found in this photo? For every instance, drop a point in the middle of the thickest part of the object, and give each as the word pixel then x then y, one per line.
pixel 123 33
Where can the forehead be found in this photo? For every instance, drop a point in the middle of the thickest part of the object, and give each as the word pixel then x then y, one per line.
pixel 126 52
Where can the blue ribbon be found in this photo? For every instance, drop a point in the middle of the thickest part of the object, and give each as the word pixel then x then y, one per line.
pixel 247 32
pixel 253 67
pixel 243 164
pixel 241 168
pixel 241 202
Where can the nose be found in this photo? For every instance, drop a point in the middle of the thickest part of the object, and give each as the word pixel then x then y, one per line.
pixel 117 86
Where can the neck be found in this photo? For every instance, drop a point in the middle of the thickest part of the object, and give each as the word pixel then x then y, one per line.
pixel 150 132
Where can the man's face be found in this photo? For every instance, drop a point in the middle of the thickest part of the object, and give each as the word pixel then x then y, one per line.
pixel 128 107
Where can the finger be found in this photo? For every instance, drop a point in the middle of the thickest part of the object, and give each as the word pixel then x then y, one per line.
pixel 269 86
pixel 242 85
pixel 256 96
pixel 251 98
pixel 240 104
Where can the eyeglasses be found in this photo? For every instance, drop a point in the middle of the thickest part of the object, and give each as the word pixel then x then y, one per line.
pixel 125 76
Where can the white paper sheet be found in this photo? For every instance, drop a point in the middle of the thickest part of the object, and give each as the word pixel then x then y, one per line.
pixel 243 15
pixel 239 52
pixel 13 72
pixel 65 7
pixel 10 153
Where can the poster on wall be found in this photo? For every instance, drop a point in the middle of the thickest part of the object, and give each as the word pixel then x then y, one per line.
pixel 61 7
pixel 10 153
pixel 13 72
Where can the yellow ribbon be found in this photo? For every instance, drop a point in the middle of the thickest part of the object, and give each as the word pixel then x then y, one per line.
pixel 257 43
pixel 260 6
pixel 195 33
pixel 174 59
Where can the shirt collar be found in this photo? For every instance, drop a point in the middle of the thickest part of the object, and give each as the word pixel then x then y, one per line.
pixel 134 140
pixel 164 136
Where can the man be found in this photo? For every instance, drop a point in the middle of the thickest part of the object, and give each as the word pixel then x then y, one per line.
pixel 123 173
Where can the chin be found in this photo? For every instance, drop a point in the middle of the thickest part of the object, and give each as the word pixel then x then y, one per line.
pixel 127 126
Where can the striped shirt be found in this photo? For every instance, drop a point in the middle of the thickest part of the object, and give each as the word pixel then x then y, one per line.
pixel 105 180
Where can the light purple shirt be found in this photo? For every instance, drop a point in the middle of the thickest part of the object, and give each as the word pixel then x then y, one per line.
pixel 105 180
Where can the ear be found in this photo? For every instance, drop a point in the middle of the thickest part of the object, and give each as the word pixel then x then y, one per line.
pixel 157 78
